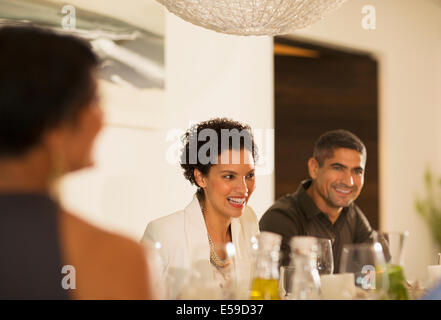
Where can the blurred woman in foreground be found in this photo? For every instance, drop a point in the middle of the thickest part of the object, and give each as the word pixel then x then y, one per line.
pixel 49 118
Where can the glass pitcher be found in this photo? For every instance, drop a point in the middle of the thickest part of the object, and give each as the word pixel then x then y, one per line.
pixel 265 278
pixel 306 278
pixel 393 244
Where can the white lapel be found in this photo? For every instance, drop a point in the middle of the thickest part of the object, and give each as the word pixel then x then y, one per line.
pixel 235 235
pixel 242 263
pixel 196 235
pixel 197 241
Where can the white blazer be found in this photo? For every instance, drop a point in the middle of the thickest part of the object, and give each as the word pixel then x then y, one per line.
pixel 184 244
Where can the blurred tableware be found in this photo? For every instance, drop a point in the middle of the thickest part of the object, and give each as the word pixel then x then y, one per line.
pixel 285 282
pixel 393 244
pixel 226 275
pixel 325 259
pixel 366 261
pixel 213 276
pixel 159 281
pixel 200 284
pixel 265 283
pixel 433 275
pixel 338 286
pixel 306 278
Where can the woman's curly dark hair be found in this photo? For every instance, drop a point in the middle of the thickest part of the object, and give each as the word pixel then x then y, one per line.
pixel 192 144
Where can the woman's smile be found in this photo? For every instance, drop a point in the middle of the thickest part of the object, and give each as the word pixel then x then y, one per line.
pixel 237 202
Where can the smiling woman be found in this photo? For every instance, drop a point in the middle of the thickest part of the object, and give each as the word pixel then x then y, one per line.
pixel 196 238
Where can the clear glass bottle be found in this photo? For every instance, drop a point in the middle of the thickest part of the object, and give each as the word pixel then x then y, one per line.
pixel 306 278
pixel 393 244
pixel 265 278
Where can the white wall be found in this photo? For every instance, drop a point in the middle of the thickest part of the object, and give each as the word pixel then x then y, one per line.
pixel 407 44
pixel 208 75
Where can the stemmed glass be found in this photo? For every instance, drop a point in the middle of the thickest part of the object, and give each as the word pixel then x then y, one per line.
pixel 366 261
pixel 156 271
pixel 325 259
pixel 209 281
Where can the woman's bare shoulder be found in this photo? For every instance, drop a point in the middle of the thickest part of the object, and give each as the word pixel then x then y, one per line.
pixel 101 256
pixel 86 232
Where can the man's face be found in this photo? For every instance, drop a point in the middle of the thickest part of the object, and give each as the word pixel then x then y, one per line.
pixel 340 179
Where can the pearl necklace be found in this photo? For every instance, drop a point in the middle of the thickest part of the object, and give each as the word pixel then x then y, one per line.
pixel 214 258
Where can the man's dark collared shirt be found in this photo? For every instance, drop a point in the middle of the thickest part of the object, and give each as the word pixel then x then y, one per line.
pixel 297 215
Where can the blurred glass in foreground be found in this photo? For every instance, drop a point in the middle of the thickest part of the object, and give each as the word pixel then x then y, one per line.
pixel 265 283
pixel 366 261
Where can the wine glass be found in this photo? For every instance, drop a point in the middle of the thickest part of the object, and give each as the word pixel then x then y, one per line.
pixel 229 277
pixel 157 276
pixel 285 282
pixel 325 259
pixel 211 276
pixel 366 261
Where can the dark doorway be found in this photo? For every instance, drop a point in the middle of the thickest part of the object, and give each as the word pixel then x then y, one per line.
pixel 319 89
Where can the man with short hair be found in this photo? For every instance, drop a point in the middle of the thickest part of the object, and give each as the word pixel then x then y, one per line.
pixel 323 206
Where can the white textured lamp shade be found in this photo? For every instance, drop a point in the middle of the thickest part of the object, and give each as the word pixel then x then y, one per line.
pixel 252 17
